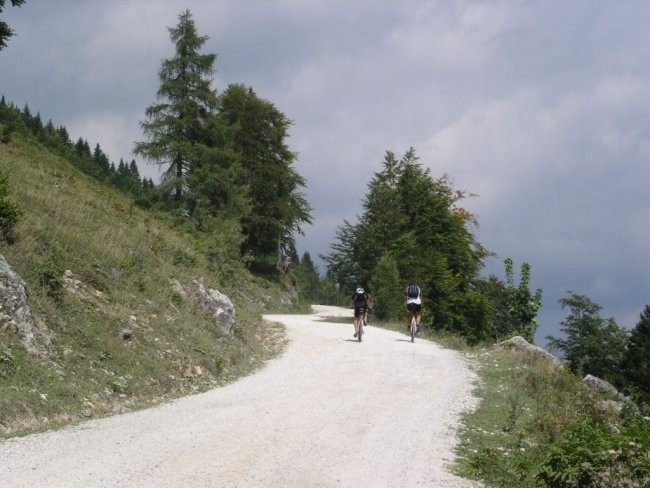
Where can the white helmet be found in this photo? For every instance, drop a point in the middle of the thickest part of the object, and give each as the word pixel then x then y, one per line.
pixel 359 290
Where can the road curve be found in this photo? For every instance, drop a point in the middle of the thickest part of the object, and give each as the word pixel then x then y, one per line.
pixel 329 412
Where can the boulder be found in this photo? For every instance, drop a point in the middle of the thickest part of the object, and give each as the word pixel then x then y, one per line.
pixel 518 342
pixel 218 305
pixel 15 314
pixel 601 385
pixel 214 302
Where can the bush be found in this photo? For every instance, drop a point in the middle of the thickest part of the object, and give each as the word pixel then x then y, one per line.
pixel 10 213
pixel 594 453
pixel 50 275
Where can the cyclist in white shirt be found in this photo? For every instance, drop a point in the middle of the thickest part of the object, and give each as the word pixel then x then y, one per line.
pixel 413 304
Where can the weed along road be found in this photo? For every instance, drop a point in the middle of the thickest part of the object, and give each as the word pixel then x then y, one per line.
pixel 329 412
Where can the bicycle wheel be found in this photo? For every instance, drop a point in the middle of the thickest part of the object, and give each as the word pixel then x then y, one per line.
pixel 361 325
pixel 413 328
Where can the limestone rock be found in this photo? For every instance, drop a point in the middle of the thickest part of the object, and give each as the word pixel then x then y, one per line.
pixel 15 314
pixel 518 342
pixel 219 306
pixel 214 302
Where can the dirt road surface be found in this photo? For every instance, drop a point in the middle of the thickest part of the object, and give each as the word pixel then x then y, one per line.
pixel 329 412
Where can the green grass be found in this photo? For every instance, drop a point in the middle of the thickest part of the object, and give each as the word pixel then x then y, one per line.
pixel 524 431
pixel 121 261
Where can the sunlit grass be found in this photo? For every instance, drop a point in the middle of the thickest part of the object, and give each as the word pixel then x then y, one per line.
pixel 528 407
pixel 122 260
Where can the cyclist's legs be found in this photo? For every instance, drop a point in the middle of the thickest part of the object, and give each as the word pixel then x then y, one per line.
pixel 413 309
pixel 418 314
pixel 357 312
pixel 409 314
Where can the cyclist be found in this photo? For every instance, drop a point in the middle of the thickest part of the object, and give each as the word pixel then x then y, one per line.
pixel 359 300
pixel 413 304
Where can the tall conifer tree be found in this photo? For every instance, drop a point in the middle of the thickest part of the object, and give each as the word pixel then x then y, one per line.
pixel 636 362
pixel 177 124
pixel 257 133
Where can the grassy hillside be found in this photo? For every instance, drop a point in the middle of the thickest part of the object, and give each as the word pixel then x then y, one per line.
pixel 96 265
pixel 539 425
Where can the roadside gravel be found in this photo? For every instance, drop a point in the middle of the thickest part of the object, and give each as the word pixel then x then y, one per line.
pixel 329 412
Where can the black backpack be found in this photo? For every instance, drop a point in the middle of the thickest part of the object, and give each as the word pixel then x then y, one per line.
pixel 412 291
pixel 360 300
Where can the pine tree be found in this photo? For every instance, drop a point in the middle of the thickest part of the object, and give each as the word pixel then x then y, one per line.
pixel 592 345
pixel 176 125
pixel 101 160
pixel 257 133
pixel 307 278
pixel 82 149
pixel 133 171
pixel 636 362
pixel 417 220
pixel 387 290
pixel 342 262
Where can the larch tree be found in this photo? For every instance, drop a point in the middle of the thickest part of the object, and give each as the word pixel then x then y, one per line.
pixel 257 133
pixel 177 126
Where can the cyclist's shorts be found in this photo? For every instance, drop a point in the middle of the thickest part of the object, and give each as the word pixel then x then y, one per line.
pixel 357 311
pixel 413 307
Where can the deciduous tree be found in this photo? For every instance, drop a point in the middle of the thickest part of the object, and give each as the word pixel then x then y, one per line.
pixel 522 304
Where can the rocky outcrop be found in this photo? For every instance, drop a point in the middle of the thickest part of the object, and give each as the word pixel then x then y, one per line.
pixel 16 316
pixel 214 302
pixel 518 342
pixel 601 385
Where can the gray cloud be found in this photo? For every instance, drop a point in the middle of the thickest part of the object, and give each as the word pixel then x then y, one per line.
pixel 540 108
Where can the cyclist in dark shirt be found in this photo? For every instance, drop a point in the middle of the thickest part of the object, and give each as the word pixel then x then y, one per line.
pixel 358 301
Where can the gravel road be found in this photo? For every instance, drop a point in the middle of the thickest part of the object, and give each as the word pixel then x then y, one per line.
pixel 329 412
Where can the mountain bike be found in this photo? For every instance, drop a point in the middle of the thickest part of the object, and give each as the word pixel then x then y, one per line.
pixel 362 322
pixel 414 327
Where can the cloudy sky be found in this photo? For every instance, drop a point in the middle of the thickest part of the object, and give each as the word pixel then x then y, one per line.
pixel 541 108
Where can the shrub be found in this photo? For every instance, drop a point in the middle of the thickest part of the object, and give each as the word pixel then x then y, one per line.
pixel 594 453
pixel 10 213
pixel 50 275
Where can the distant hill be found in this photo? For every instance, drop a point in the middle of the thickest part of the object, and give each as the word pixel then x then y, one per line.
pixel 114 287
